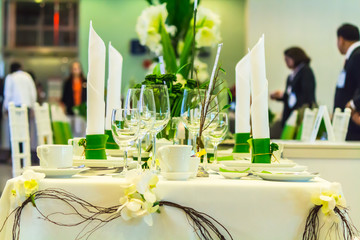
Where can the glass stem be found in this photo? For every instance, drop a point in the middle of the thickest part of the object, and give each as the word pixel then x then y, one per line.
pixel 215 153
pixel 139 155
pixel 194 142
pixel 125 168
pixel 153 160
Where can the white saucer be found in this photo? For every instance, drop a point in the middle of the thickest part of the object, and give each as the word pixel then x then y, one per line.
pixel 245 163
pixel 109 162
pixel 177 176
pixel 58 172
pixel 233 175
pixel 291 177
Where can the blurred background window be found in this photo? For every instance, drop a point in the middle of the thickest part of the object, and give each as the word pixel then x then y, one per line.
pixel 40 24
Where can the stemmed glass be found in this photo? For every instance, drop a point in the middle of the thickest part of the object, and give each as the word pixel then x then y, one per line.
pixel 217 131
pixel 162 113
pixel 142 99
pixel 191 107
pixel 125 127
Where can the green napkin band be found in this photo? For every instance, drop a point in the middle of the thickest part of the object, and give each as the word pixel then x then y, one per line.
pixel 288 132
pixel 241 143
pixel 224 158
pixel 95 146
pixel 260 150
pixel 110 144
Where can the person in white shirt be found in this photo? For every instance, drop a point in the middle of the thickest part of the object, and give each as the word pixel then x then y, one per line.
pixel 19 88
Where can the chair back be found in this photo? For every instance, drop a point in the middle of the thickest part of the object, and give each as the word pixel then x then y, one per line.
pixel 19 138
pixel 43 124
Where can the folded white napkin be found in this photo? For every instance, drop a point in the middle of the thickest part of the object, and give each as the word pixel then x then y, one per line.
pixel 242 110
pixel 259 107
pixel 95 84
pixel 113 99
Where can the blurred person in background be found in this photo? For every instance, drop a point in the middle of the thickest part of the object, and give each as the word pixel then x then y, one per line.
pixel 348 86
pixel 19 87
pixel 74 90
pixel 300 84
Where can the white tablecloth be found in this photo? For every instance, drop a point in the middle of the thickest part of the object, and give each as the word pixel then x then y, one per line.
pixel 250 209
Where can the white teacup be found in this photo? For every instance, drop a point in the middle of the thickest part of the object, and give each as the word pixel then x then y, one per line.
pixel 175 158
pixel 78 151
pixel 161 142
pixel 55 156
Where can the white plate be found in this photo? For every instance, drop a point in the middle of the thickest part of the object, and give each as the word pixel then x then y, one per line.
pixel 214 166
pixel 292 177
pixel 245 163
pixel 58 172
pixel 109 162
pixel 233 175
pixel 177 176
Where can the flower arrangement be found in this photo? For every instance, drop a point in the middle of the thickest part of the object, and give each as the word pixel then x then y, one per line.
pixel 333 213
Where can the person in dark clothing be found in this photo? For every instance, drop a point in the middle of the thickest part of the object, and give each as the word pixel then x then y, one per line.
pixel 300 84
pixel 348 85
pixel 74 90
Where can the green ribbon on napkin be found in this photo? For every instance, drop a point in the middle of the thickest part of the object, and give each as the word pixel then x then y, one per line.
pixel 299 132
pixel 67 131
pixel 260 150
pixel 224 158
pixel 95 146
pixel 110 144
pixel 241 143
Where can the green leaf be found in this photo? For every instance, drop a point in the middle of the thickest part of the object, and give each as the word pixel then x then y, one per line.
pixel 32 198
pixel 185 54
pixel 182 67
pixel 225 107
pixel 168 50
pixel 230 94
pixel 273 147
pixel 222 70
pixel 266 172
pixel 157 70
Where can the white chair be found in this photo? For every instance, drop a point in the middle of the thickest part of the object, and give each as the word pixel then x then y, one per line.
pixel 43 124
pixel 20 138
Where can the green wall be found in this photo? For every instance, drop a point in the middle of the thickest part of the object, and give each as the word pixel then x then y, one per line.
pixel 115 20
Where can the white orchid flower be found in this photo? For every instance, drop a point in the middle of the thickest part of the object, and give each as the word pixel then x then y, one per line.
pixel 26 184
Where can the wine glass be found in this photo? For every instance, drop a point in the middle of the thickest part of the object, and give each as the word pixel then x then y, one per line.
pixel 217 132
pixel 162 113
pixel 125 127
pixel 142 99
pixel 191 108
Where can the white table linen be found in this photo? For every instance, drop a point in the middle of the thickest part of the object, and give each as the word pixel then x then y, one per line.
pixel 250 209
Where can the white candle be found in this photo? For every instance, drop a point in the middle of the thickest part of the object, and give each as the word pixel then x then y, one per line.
pixel 211 84
pixel 113 99
pixel 162 65
pixel 95 84
pixel 195 4
pixel 259 107
pixel 242 107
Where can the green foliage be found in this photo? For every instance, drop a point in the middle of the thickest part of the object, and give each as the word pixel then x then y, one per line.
pixel 273 147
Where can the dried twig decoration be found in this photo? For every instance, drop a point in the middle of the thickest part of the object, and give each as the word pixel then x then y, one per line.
pixel 203 224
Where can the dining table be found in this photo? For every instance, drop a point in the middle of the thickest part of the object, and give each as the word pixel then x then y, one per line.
pixel 249 208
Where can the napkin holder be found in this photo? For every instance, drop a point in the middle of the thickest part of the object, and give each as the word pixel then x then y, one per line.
pixel 241 143
pixel 260 150
pixel 95 146
pixel 110 144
